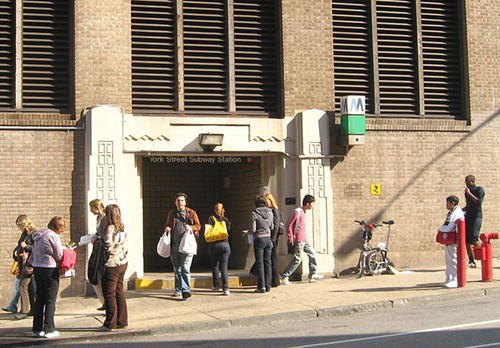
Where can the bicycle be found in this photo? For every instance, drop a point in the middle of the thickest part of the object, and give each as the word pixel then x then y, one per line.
pixel 373 260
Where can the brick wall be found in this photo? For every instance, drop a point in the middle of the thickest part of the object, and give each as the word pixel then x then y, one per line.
pixel 419 163
pixel 307 55
pixel 41 176
pixel 102 53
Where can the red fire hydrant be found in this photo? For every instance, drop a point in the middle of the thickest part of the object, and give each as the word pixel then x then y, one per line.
pixel 485 254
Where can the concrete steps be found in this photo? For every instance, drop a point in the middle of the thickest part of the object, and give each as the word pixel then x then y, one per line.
pixel 152 281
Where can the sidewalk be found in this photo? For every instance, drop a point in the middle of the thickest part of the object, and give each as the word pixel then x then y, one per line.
pixel 154 311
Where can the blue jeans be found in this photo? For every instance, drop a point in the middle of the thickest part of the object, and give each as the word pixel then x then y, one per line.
pixel 301 247
pixel 182 269
pixel 262 249
pixel 15 296
pixel 219 257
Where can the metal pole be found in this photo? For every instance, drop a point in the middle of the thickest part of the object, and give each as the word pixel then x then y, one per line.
pixel 461 255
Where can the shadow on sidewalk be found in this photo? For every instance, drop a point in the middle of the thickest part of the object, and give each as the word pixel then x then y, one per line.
pixel 418 287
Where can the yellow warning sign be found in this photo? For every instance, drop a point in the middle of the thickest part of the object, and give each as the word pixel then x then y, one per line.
pixel 376 189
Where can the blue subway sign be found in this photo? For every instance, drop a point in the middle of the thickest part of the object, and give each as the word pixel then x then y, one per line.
pixel 352 105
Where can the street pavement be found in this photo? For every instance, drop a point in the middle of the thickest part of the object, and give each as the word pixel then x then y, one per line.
pixel 154 311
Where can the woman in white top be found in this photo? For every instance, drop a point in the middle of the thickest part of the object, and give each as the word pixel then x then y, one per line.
pixel 115 239
pixel 450 225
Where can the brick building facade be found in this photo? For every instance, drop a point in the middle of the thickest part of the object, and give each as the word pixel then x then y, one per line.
pixel 271 111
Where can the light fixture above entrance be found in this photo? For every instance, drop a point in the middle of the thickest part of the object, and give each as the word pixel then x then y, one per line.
pixel 209 141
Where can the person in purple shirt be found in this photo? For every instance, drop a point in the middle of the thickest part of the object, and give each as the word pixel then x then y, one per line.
pixel 45 258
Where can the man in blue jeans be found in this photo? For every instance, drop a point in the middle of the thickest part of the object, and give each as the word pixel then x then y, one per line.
pixel 297 236
pixel 180 221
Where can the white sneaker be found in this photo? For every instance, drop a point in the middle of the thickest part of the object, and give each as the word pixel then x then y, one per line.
pixel 38 334
pixel 451 284
pixel 226 292
pixel 285 281
pixel 317 276
pixel 52 334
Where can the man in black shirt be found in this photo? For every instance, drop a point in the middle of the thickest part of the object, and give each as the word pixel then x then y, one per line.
pixel 474 196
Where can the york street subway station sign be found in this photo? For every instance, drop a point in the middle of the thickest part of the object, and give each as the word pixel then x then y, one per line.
pixel 210 160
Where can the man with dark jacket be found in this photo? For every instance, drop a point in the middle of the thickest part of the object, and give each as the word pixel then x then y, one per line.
pixel 179 222
pixel 473 210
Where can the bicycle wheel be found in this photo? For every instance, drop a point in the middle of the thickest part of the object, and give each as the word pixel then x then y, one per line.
pixel 375 262
pixel 360 267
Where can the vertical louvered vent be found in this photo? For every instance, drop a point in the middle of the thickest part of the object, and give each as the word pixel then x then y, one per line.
pixel 205 55
pixel 442 80
pixel 396 57
pixel 255 56
pixel 153 55
pixel 46 54
pixel 6 55
pixel 351 44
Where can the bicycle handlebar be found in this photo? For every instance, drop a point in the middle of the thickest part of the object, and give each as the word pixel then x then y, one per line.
pixel 363 223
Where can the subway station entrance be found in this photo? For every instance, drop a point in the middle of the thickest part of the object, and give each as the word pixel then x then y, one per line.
pixel 232 180
pixel 140 163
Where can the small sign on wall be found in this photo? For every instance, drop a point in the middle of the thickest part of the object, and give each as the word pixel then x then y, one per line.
pixel 376 189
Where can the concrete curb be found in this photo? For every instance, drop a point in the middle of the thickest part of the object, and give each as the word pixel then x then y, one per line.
pixel 324 312
pixel 263 319
pixel 91 337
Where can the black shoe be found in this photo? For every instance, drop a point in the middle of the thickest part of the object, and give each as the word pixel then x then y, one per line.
pixel 186 295
pixel 102 308
pixel 268 289
pixel 260 291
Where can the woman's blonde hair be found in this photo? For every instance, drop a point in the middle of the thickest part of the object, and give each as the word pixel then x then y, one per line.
pixel 97 203
pixel 24 223
pixel 272 200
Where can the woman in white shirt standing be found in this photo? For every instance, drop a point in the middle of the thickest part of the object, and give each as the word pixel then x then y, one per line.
pixel 115 239
pixel 450 225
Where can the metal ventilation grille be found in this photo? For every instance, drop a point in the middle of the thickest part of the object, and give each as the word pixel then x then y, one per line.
pixel 153 55
pixel 442 80
pixel 351 44
pixel 205 55
pixel 46 54
pixel 255 56
pixel 397 57
pixel 6 55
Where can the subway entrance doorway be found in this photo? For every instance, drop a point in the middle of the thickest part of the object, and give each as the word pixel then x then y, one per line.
pixel 232 180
